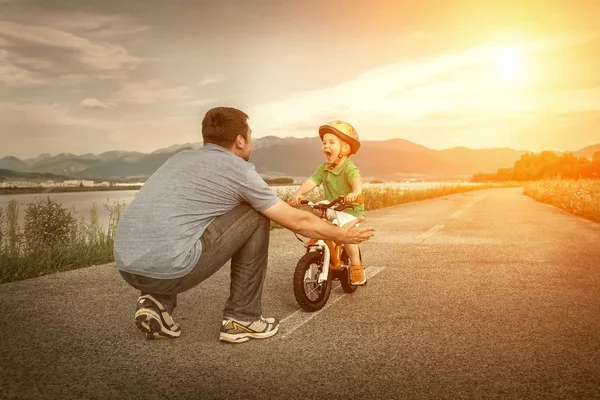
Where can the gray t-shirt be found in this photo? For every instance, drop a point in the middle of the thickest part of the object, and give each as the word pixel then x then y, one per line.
pixel 159 232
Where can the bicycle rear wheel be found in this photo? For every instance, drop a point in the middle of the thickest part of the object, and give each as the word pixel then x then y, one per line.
pixel 310 294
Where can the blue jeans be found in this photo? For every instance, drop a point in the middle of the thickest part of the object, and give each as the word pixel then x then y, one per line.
pixel 242 236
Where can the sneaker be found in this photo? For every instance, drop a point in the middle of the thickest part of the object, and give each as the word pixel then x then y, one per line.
pixel 357 275
pixel 154 320
pixel 234 331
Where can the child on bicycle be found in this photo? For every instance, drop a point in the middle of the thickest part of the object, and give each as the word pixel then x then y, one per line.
pixel 340 177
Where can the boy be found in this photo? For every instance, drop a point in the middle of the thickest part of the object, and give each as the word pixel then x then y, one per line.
pixel 340 177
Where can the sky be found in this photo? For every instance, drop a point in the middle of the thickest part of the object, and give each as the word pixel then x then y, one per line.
pixel 93 76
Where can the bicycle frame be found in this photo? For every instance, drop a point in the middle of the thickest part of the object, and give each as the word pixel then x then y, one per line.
pixel 332 253
pixel 332 256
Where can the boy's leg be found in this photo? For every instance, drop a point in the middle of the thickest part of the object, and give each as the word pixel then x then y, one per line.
pixel 357 270
pixel 353 253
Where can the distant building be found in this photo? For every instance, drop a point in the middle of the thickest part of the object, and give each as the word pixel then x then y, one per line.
pixel 76 183
pixel 18 184
pixel 129 184
pixel 48 184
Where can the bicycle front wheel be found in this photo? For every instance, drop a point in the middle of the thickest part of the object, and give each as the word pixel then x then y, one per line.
pixel 310 294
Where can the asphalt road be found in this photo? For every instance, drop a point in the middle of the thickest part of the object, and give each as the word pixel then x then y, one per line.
pixel 487 294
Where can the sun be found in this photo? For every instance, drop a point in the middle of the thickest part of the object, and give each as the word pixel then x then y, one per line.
pixel 508 63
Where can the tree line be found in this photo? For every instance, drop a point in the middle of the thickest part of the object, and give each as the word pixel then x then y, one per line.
pixel 545 165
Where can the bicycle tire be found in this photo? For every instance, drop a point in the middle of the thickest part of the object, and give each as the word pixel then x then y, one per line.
pixel 319 294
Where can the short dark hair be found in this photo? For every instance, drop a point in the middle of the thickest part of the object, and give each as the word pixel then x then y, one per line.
pixel 222 125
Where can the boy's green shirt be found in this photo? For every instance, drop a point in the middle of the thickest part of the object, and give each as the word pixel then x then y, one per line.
pixel 338 182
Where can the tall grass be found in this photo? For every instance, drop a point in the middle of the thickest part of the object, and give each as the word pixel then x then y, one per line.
pixel 53 239
pixel 579 197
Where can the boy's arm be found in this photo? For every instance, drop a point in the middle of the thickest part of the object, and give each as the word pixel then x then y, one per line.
pixel 356 190
pixel 306 187
pixel 309 225
pixel 357 186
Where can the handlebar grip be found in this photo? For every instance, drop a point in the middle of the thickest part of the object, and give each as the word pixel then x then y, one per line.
pixel 360 199
pixel 301 202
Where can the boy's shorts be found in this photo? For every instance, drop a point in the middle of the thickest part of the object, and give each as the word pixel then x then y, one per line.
pixel 340 216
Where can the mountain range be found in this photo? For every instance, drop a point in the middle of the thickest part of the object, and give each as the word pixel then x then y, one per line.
pixel 290 157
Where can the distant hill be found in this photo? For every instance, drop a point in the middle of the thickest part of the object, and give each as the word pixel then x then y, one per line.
pixel 588 152
pixel 481 159
pixel 388 159
pixel 6 174
pixel 289 157
pixel 128 166
pixel 13 164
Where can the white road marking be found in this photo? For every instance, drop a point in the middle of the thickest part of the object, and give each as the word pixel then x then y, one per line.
pixel 295 320
pixel 456 214
pixel 430 232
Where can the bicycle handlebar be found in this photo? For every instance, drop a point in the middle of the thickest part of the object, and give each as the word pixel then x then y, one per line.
pixel 340 200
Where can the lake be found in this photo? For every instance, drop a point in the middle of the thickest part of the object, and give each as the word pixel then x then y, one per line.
pixel 82 202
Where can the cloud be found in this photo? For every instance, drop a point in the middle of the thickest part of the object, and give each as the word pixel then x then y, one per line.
pixel 405 91
pixel 14 76
pixel 149 92
pixel 92 25
pixel 210 80
pixel 48 52
pixel 35 114
pixel 95 104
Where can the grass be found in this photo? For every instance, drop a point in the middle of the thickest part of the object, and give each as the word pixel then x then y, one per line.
pixel 65 189
pixel 53 239
pixel 579 197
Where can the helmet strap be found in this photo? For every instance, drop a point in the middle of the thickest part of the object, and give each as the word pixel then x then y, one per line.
pixel 337 161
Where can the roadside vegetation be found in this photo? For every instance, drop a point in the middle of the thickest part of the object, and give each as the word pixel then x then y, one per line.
pixel 579 197
pixel 52 239
pixel 55 239
pixel 64 189
pixel 546 165
pixel 390 195
pixel 566 181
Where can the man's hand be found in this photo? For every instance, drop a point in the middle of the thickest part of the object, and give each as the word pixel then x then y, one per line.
pixel 354 234
pixel 295 200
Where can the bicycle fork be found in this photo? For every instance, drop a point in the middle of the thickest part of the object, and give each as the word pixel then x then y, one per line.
pixel 330 254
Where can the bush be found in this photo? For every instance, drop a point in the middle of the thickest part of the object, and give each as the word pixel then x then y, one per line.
pixel 47 225
pixel 53 240
pixel 579 197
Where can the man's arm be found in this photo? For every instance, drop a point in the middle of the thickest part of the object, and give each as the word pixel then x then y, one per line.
pixel 309 225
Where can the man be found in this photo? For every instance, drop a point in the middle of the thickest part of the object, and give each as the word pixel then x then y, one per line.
pixel 200 209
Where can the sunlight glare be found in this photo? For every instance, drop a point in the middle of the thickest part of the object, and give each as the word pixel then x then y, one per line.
pixel 508 63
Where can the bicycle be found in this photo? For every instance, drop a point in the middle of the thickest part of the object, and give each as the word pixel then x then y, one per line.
pixel 324 262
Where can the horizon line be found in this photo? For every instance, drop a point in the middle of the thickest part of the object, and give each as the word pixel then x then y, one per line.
pixel 304 137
